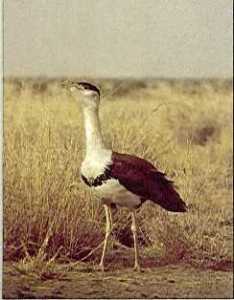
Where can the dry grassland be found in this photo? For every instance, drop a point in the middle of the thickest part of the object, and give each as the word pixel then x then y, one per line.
pixel 183 127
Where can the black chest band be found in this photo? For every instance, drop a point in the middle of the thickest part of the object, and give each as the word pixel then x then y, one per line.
pixel 99 180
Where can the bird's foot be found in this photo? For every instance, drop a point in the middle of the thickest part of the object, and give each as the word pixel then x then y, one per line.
pixel 137 268
pixel 100 267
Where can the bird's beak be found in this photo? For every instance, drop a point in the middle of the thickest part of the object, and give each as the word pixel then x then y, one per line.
pixel 65 83
pixel 68 84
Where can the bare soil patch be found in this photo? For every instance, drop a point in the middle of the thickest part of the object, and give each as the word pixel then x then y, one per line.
pixel 82 281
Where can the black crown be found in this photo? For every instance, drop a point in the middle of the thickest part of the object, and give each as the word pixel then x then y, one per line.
pixel 89 86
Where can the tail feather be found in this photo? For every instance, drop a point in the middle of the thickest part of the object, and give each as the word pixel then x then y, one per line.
pixel 165 194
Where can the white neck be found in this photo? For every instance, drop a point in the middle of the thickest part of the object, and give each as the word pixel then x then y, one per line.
pixel 94 139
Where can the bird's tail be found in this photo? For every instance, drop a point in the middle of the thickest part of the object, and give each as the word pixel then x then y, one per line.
pixel 166 195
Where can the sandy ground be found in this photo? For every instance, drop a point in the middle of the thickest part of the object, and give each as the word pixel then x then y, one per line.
pixel 171 281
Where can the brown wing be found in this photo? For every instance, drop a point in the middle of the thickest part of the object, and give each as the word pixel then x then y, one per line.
pixel 143 179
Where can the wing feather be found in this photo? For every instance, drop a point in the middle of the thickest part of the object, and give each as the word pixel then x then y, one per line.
pixel 143 179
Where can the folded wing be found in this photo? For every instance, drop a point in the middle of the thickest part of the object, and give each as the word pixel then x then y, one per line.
pixel 143 179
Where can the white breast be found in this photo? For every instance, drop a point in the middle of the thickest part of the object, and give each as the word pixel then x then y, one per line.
pixel 95 163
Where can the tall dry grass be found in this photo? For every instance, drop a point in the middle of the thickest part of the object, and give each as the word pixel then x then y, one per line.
pixel 184 128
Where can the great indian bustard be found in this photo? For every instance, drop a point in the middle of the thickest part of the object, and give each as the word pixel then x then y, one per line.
pixel 119 180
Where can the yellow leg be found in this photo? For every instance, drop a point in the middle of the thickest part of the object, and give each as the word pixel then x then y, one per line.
pixel 134 232
pixel 108 232
pixel 111 218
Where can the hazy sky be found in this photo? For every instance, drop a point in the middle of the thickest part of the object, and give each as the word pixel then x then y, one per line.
pixel 104 38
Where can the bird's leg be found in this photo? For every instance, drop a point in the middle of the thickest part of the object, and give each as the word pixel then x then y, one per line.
pixel 134 232
pixel 111 218
pixel 108 232
pixel 111 225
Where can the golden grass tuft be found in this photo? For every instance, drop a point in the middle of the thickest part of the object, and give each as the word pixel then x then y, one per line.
pixel 182 127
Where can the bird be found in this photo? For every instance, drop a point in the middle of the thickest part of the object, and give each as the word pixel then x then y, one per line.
pixel 118 179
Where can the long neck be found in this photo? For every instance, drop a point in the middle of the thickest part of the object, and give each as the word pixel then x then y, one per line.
pixel 94 139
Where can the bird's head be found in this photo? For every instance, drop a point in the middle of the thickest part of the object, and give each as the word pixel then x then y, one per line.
pixel 88 93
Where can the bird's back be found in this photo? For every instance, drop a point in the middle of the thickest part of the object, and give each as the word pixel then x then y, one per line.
pixel 143 179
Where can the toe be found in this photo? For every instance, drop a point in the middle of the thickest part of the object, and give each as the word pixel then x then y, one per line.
pixel 137 268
